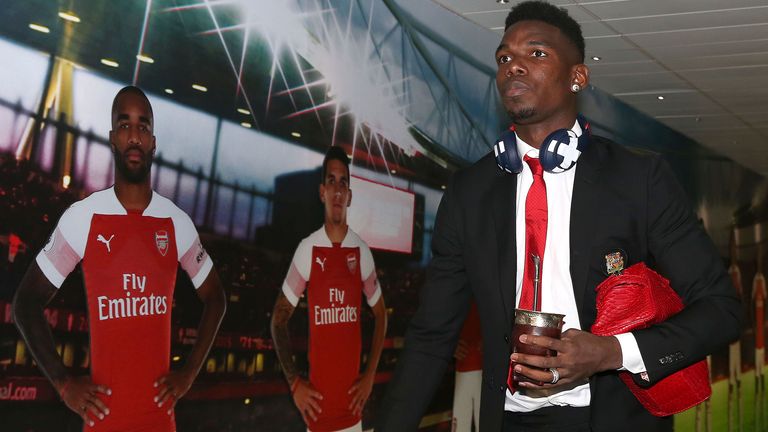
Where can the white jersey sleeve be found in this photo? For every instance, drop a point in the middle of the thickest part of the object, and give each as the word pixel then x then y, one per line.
pixel 66 245
pixel 371 286
pixel 192 255
pixel 295 282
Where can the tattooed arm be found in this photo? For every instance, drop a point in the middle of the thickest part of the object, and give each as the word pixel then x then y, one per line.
pixel 304 395
pixel 281 338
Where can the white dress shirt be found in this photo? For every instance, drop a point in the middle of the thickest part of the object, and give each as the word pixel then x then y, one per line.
pixel 556 285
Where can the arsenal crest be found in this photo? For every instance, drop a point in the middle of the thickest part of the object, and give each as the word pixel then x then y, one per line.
pixel 615 262
pixel 161 241
pixel 351 262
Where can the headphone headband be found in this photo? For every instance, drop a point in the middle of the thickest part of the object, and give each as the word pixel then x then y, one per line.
pixel 559 151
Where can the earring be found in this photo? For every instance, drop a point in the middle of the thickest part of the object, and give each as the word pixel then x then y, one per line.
pixel 575 88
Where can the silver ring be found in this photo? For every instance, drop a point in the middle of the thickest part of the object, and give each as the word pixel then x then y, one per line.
pixel 555 375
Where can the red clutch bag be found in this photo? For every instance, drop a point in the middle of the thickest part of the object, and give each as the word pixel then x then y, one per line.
pixel 636 299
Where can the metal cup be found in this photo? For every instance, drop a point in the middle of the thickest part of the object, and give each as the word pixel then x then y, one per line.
pixel 536 324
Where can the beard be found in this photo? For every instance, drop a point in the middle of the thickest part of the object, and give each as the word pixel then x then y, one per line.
pixel 521 115
pixel 137 174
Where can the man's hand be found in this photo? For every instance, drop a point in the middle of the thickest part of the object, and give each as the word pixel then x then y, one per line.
pixel 171 387
pixel 79 394
pixel 307 400
pixel 462 349
pixel 361 391
pixel 579 356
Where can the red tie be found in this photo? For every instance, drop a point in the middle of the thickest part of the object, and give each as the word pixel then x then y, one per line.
pixel 535 233
pixel 535 239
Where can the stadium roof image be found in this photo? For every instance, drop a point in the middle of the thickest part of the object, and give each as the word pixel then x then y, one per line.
pixel 368 74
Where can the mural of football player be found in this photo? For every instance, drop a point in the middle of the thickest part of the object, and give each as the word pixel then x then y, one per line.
pixel 734 350
pixel 703 421
pixel 334 269
pixel 469 375
pixel 758 301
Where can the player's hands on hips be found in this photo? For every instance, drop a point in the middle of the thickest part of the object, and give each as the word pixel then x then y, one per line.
pixel 171 387
pixel 307 399
pixel 360 392
pixel 580 355
pixel 79 394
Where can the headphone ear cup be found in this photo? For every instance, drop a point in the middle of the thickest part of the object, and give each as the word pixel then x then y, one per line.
pixel 505 150
pixel 559 151
pixel 548 156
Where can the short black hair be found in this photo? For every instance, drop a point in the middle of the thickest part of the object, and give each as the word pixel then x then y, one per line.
pixel 334 153
pixel 550 14
pixel 134 90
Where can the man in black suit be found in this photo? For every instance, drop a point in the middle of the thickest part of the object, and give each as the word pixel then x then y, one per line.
pixel 613 200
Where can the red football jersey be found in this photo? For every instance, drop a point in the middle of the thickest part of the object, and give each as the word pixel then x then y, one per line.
pixel 129 262
pixel 470 334
pixel 759 295
pixel 735 272
pixel 334 276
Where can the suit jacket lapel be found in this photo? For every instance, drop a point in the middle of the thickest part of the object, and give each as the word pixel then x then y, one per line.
pixel 503 198
pixel 584 205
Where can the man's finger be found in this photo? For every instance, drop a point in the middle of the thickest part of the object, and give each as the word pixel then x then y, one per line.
pixel 535 374
pixel 174 401
pixel 461 353
pixel 162 393
pixel 84 414
pixel 315 394
pixel 311 403
pixel 360 405
pixel 542 341
pixel 94 410
pixel 102 407
pixel 102 389
pixel 161 381
pixel 354 402
pixel 311 413
pixel 541 362
pixel 168 396
pixel 354 387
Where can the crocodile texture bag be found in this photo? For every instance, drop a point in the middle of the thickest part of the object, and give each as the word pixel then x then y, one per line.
pixel 636 299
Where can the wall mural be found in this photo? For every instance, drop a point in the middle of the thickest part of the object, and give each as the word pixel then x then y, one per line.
pixel 247 97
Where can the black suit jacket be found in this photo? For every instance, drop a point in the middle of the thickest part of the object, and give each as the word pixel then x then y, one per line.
pixel 621 200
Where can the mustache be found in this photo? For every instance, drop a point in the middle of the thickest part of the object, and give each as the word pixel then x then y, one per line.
pixel 137 148
pixel 514 85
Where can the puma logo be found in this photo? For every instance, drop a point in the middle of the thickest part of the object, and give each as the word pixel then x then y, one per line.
pixel 321 262
pixel 101 238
